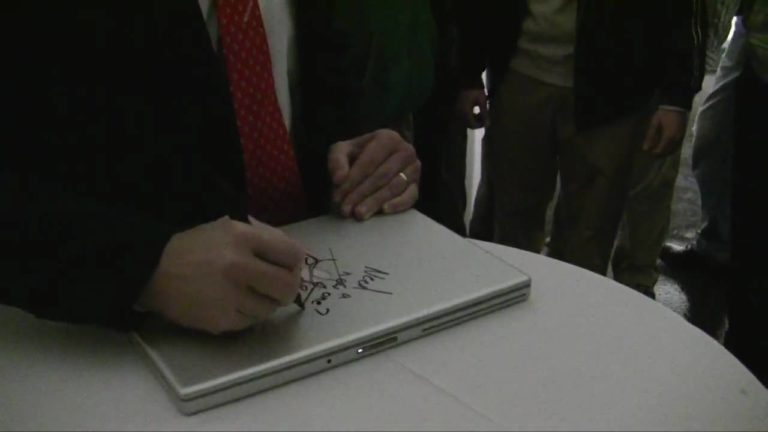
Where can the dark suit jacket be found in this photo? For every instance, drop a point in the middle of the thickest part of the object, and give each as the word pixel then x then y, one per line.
pixel 627 53
pixel 118 134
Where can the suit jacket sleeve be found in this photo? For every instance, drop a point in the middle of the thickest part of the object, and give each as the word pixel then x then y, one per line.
pixel 70 258
pixel 683 51
pixel 91 151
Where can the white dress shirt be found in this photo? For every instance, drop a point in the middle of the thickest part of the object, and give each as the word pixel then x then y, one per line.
pixel 278 23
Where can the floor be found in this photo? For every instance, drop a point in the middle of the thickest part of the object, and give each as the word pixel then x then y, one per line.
pixel 698 299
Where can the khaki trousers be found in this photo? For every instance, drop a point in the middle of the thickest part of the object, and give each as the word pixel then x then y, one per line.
pixel 646 221
pixel 531 139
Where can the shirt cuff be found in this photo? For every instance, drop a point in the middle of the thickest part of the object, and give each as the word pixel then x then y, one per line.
pixel 672 108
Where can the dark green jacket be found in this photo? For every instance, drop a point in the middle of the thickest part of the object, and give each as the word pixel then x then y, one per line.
pixel 364 65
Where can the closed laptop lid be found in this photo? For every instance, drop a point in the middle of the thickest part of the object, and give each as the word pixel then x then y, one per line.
pixel 360 281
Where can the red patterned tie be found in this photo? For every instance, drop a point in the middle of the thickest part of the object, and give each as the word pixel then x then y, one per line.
pixel 275 193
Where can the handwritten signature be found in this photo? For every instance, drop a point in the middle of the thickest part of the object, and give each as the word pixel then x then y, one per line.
pixel 319 286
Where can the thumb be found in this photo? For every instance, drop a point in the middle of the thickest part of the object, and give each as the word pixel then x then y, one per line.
pixel 666 142
pixel 652 135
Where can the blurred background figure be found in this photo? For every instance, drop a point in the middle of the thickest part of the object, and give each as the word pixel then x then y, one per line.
pixel 596 92
pixel 713 131
pixel 747 335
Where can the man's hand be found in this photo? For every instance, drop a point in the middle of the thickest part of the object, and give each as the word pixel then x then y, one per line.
pixel 467 102
pixel 666 132
pixel 224 276
pixel 375 172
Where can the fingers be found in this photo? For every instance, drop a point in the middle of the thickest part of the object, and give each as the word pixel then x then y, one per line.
pixel 378 184
pixel 652 135
pixel 373 152
pixel 249 310
pixel 255 289
pixel 233 322
pixel 269 243
pixel 397 185
pixel 272 265
pixel 666 133
pixel 276 284
pixel 343 154
pixel 403 202
pixel 673 132
pixel 256 307
pixel 224 275
pixel 374 176
pixel 260 277
pixel 666 144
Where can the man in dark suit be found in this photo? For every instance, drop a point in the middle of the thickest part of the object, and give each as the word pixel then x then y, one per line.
pixel 122 176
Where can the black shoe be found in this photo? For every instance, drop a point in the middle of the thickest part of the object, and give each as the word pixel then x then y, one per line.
pixel 688 258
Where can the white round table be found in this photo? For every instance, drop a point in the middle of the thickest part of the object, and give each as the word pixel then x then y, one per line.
pixel 582 353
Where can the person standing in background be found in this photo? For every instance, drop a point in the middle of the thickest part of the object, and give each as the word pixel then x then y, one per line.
pixel 577 89
pixel 747 334
pixel 713 134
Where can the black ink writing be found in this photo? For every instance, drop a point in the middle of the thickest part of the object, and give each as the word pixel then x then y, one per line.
pixel 371 274
pixel 315 286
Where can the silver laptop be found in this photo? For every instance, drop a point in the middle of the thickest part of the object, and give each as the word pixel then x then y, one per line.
pixel 366 286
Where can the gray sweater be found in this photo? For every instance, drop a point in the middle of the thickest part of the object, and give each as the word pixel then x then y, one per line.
pixel 547 40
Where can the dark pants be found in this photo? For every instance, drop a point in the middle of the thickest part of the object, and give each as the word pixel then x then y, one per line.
pixel 747 336
pixel 531 139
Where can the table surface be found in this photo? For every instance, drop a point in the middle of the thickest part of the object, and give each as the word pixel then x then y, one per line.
pixel 583 353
